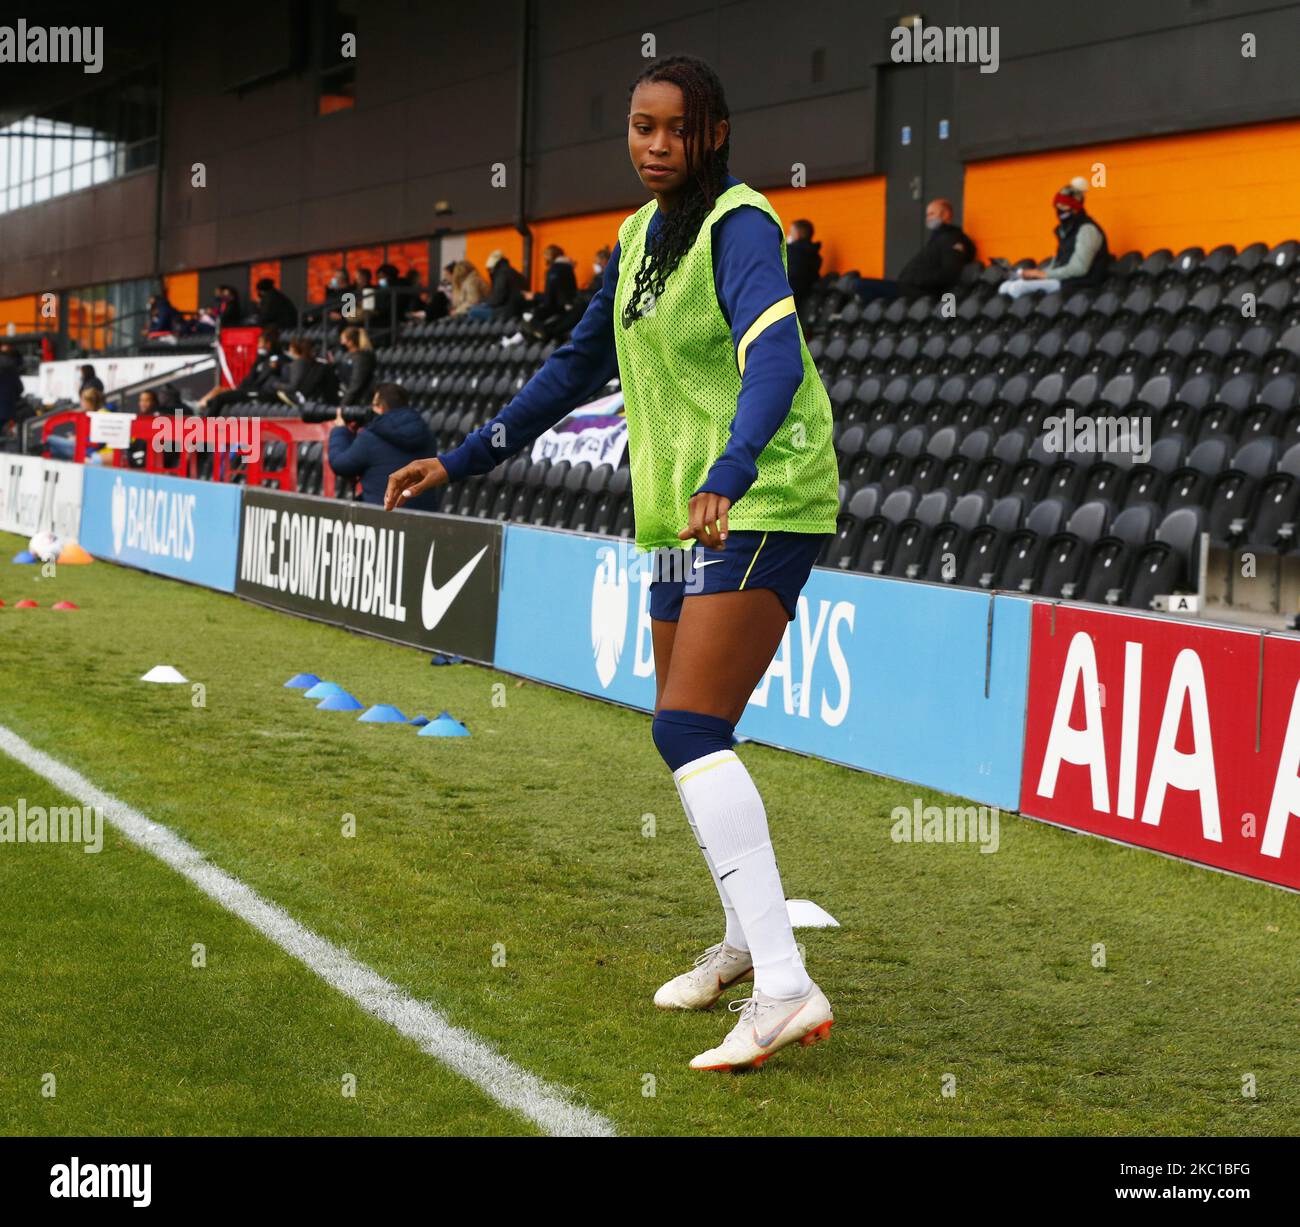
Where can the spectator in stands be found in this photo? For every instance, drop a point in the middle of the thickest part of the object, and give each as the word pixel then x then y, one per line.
pixel 275 309
pixel 339 284
pixel 394 437
pixel 386 282
pixel 507 297
pixel 936 268
pixel 549 323
pixel 355 366
pixel 1082 257
pixel 468 289
pixel 365 291
pixel 803 261
pixel 64 446
pixel 597 273
pixel 147 403
pixel 89 379
pixel 435 305
pixel 163 317
pixel 228 309
pixel 559 290
pixel 308 378
pixel 256 384
pixel 169 399
pixel 11 386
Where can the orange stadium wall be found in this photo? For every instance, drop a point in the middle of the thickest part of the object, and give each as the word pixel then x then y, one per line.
pixel 263 268
pixel 479 244
pixel 848 218
pixel 183 291
pixel 21 313
pixel 1232 185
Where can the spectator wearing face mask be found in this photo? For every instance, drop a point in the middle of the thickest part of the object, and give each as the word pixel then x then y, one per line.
pixel 936 268
pixel 1082 257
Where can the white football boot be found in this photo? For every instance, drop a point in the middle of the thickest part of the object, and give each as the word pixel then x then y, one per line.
pixel 768 1024
pixel 715 971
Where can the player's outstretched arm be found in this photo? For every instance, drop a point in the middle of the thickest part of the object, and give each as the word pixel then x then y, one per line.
pixel 574 374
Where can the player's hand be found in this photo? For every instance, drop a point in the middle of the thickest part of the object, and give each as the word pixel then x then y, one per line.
pixel 1031 274
pixel 415 478
pixel 708 521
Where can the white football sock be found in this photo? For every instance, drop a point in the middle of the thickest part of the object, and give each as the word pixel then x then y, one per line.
pixel 731 823
pixel 735 935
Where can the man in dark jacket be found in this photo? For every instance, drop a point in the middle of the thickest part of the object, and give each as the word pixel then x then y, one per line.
pixel 936 268
pixel 507 297
pixel 274 308
pixel 394 437
pixel 803 262
pixel 559 294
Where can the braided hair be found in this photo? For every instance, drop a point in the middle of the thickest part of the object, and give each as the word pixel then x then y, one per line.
pixel 704 103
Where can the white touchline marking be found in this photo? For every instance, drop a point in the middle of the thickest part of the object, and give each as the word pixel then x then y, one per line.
pixel 495 1075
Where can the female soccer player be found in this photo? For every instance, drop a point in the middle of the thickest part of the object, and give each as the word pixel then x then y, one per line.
pixel 729 443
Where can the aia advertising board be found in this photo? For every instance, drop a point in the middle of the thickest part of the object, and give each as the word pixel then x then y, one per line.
pixel 1167 735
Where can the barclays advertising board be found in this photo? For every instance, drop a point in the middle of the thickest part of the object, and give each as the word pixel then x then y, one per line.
pixel 908 680
pixel 186 529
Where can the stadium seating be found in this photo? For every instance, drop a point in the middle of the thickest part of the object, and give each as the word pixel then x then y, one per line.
pixel 940 436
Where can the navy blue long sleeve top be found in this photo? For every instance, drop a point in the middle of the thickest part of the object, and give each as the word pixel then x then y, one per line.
pixel 749 278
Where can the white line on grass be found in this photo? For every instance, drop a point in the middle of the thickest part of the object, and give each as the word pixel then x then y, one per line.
pixel 495 1075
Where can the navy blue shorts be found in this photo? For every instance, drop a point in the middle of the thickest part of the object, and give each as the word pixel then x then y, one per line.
pixel 779 561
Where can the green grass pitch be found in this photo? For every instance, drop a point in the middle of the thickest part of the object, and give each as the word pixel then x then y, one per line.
pixel 513 881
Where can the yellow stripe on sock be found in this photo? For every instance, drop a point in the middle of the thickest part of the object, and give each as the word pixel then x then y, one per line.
pixel 777 311
pixel 752 561
pixel 721 762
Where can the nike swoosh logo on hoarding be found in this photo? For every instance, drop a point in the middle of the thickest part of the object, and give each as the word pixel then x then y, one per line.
pixel 435 601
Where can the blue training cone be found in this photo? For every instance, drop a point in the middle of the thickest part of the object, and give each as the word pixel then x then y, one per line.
pixel 323 690
pixel 24 556
pixel 419 721
pixel 382 713
pixel 446 725
pixel 444 658
pixel 342 701
pixel 302 681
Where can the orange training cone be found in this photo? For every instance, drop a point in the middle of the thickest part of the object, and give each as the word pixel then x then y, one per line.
pixel 73 555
